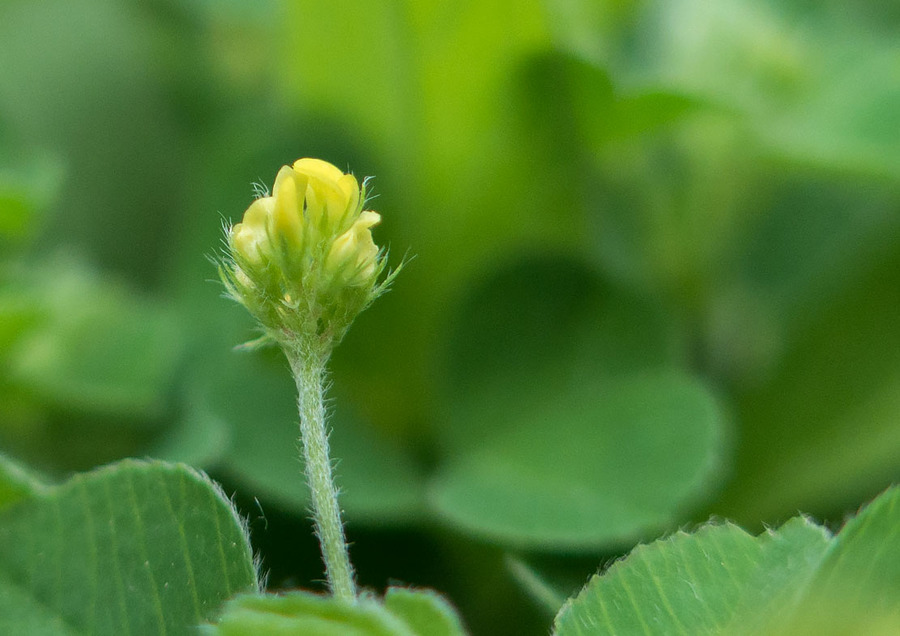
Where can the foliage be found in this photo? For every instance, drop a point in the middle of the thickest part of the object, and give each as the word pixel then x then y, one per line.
pixel 656 278
pixel 130 548
pixel 721 580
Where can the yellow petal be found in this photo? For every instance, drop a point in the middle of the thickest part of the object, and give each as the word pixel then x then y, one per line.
pixel 331 193
pixel 325 199
pixel 258 212
pixel 367 219
pixel 285 219
pixel 342 250
pixel 350 187
pixel 319 169
pixel 365 274
pixel 366 250
pixel 245 241
pixel 286 173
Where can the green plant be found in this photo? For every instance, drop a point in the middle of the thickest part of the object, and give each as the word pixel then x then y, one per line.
pixel 657 282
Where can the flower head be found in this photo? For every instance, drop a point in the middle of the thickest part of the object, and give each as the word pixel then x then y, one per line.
pixel 303 260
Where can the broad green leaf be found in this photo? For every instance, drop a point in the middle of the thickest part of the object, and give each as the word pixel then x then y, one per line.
pixel 566 422
pixel 304 613
pixel 862 567
pixel 540 326
pixel 134 547
pixel 254 393
pixel 694 583
pixel 587 468
pixel 720 580
pixel 855 588
pixel 425 612
pixel 405 612
pixel 568 98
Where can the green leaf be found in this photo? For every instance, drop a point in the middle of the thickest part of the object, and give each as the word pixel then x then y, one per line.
pixel 567 424
pixel 305 613
pixel 134 547
pixel 405 612
pixel 863 565
pixel 762 62
pixel 692 584
pixel 721 580
pixel 254 393
pixel 589 468
pixel 537 327
pixel 426 612
pixel 200 438
pixel 856 587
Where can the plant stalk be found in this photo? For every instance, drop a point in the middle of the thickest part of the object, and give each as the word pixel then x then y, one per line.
pixel 308 367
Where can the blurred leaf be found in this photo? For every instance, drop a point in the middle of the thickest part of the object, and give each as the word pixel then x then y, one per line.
pixel 567 425
pixel 541 325
pixel 99 349
pixel 82 79
pixel 853 120
pixel 405 612
pixel 20 312
pixel 575 104
pixel 135 547
pixel 720 580
pixel 815 235
pixel 822 432
pixel 666 177
pixel 820 88
pixel 199 438
pixel 426 612
pixel 16 482
pixel 25 192
pixel 817 232
pixel 695 583
pixel 255 395
pixel 588 468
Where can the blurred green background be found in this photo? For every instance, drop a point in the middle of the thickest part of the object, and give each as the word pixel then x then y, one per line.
pixel 656 269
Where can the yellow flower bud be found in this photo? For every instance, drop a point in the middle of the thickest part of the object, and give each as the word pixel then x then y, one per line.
pixel 306 248
pixel 285 221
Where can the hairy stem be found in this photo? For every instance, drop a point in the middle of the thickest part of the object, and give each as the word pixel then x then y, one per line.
pixel 308 367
